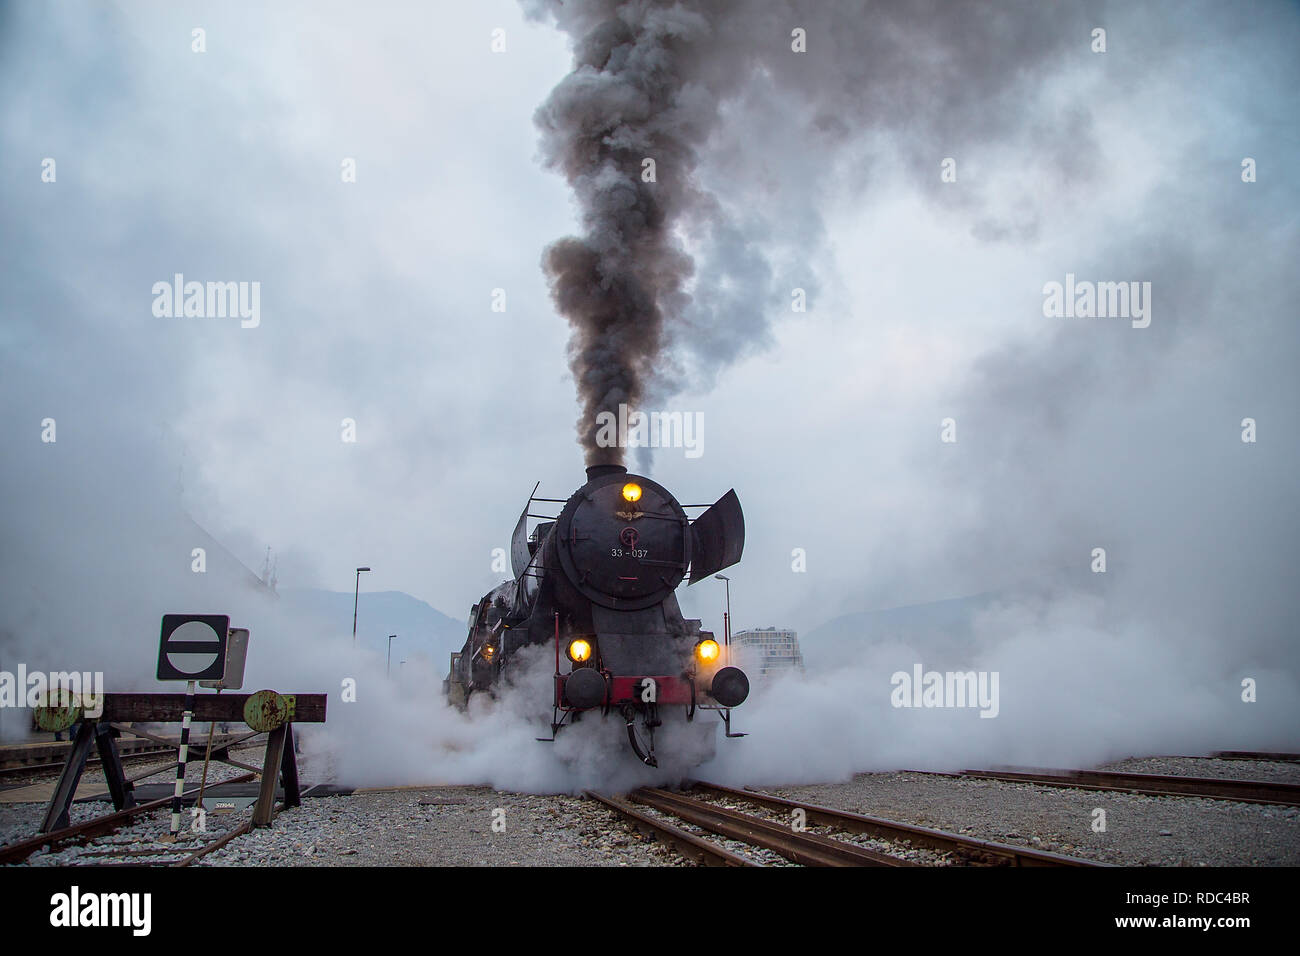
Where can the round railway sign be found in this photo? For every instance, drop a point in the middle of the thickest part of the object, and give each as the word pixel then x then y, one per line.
pixel 56 712
pixel 193 646
pixel 265 710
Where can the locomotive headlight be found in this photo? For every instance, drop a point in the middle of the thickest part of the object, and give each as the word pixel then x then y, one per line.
pixel 707 651
pixel 488 652
pixel 631 492
pixel 579 650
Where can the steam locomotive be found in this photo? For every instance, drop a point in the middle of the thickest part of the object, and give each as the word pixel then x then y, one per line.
pixel 598 582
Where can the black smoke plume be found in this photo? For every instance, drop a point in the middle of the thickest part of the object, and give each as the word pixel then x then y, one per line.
pixel 623 104
pixel 745 133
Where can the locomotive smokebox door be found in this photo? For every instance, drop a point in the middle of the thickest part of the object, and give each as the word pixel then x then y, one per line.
pixel 623 541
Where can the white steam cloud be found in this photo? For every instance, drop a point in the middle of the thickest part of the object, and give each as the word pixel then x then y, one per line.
pixel 1073 433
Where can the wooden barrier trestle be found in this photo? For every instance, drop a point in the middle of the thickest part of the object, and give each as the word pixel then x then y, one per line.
pixel 268 712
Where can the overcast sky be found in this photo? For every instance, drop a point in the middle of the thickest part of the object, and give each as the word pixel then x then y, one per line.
pixel 925 303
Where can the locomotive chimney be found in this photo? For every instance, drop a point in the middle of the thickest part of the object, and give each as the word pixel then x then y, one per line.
pixel 595 471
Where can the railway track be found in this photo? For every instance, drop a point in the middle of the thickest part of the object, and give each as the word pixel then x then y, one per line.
pixel 16 768
pixel 98 828
pixel 693 847
pixel 1160 785
pixel 1264 755
pixel 773 829
pixel 17 759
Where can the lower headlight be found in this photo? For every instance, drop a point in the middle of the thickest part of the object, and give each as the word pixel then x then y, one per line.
pixel 584 688
pixel 707 651
pixel 579 650
pixel 730 687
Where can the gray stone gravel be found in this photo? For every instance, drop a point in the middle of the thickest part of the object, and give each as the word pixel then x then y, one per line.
pixel 19 821
pixel 924 856
pixel 1267 770
pixel 445 826
pixel 454 825
pixel 759 855
pixel 1140 830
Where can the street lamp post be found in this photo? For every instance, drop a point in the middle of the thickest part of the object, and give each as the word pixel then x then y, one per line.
pixel 726 618
pixel 389 670
pixel 355 598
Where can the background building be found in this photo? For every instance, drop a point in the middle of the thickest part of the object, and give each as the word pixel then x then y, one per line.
pixel 768 650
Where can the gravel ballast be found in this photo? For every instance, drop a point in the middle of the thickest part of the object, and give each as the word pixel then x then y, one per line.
pixel 1139 830
pixel 446 826
pixel 1267 771
pixel 478 826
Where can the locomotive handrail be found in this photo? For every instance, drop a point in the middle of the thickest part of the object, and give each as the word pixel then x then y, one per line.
pixel 660 515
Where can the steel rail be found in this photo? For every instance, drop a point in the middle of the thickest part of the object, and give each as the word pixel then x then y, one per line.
pixel 12 759
pixel 1151 784
pixel 13 765
pixel 809 849
pixel 1264 755
pixel 985 851
pixel 95 827
pixel 687 844
pixel 216 844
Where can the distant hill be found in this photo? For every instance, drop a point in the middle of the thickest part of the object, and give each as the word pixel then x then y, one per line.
pixel 420 627
pixel 942 626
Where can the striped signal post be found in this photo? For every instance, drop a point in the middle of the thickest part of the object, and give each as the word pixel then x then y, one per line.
pixel 193 648
pixel 186 717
